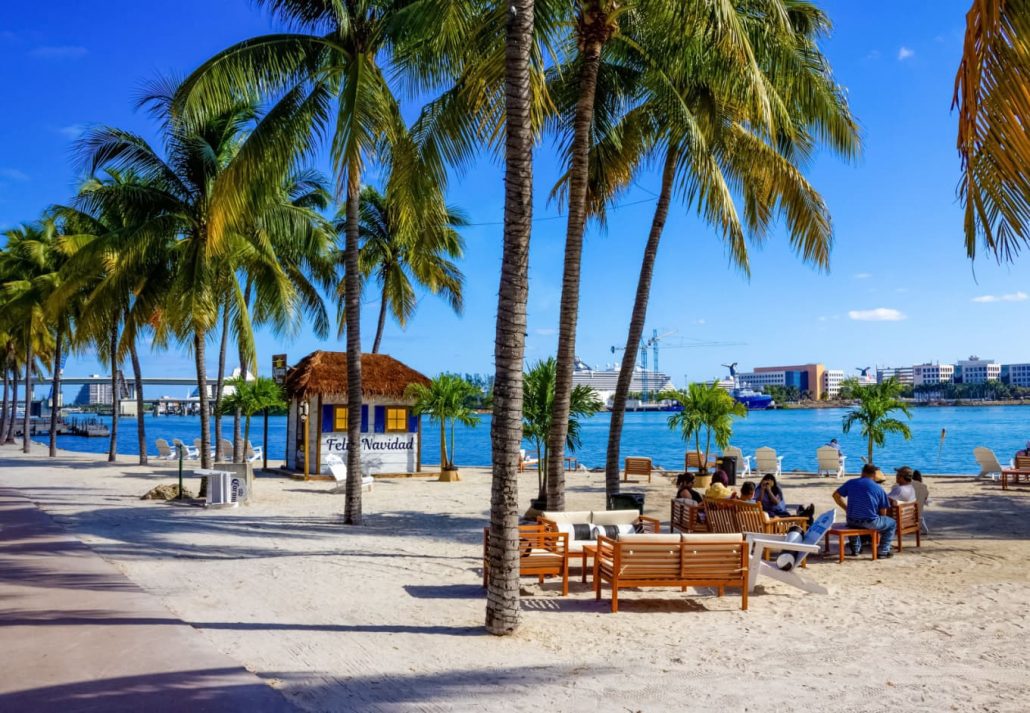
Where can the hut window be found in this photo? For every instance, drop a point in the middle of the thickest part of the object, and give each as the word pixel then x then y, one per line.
pixel 339 419
pixel 396 419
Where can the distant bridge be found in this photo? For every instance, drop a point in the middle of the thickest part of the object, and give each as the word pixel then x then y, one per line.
pixel 147 380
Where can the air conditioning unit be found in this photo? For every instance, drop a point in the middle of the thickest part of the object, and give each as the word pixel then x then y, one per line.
pixel 225 490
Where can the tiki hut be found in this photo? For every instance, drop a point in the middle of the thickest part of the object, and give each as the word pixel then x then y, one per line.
pixel 391 440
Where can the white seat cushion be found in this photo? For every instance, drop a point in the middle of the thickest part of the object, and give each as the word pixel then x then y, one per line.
pixel 566 518
pixel 614 517
pixel 668 539
pixel 727 537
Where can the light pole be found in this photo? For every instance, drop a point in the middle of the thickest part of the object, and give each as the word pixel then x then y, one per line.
pixel 307 438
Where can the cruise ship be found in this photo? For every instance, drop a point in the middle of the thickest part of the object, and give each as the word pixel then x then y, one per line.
pixel 604 381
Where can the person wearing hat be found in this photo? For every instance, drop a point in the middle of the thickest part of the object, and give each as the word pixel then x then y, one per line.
pixel 903 491
pixel 863 499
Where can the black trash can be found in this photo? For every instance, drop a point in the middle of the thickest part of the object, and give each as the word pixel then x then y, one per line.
pixel 728 464
pixel 627 501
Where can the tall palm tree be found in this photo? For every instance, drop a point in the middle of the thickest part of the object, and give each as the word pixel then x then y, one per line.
pixel 397 257
pixel 992 87
pixel 710 138
pixel 872 413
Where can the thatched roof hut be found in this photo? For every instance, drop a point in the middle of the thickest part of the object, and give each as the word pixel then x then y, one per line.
pixel 324 373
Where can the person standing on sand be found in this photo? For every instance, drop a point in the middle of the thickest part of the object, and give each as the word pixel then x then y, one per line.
pixel 863 500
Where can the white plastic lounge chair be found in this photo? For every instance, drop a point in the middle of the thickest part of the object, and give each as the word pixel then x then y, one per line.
pixel 525 461
pixel 163 451
pixel 831 462
pixel 339 471
pixel 988 462
pixel 188 452
pixel 743 461
pixel 253 454
pixel 197 446
pixel 225 451
pixel 923 500
pixel 792 554
pixel 766 462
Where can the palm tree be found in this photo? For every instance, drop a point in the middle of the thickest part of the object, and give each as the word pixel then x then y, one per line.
pixel 447 400
pixel 185 206
pixel 252 397
pixel 710 136
pixel 872 412
pixel 708 409
pixel 397 257
pixel 537 410
pixel 991 89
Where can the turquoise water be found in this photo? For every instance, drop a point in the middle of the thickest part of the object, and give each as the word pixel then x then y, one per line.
pixel 794 434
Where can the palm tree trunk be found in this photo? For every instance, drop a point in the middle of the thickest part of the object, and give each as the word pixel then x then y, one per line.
pixel 870 450
pixel 382 321
pixel 55 388
pixel 502 600
pixel 352 288
pixel 220 382
pixel 592 25
pixel 264 447
pixel 246 429
pixel 26 442
pixel 116 402
pixel 636 327
pixel 14 407
pixel 3 409
pixel 443 447
pixel 237 442
pixel 141 427
pixel 205 415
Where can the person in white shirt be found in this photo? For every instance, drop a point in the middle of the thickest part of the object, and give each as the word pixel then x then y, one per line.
pixel 903 492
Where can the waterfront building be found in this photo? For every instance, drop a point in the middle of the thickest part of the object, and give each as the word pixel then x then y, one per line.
pixel 1015 374
pixel 831 382
pixel 975 370
pixel 805 377
pixel 316 392
pixel 926 374
pixel 904 374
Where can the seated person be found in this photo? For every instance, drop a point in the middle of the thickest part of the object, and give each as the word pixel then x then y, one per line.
pixel 922 492
pixel 720 487
pixel 835 446
pixel 902 492
pixel 685 488
pixel 863 499
pixel 773 503
pixel 1023 453
pixel 747 492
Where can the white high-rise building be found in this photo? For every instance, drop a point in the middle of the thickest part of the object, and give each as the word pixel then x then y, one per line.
pixel 924 374
pixel 831 382
pixel 975 370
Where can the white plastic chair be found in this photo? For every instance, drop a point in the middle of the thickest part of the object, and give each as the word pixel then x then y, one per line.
pixel 338 469
pixel 830 461
pixel 743 461
pixel 163 451
pixel 988 462
pixel 188 452
pixel 253 454
pixel 767 462
pixel 785 567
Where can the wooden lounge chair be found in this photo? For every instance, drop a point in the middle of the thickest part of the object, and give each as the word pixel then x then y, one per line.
pixel 830 461
pixel 525 461
pixel 785 569
pixel 636 465
pixel 683 561
pixel 743 461
pixel 163 451
pixel 767 462
pixel 751 518
pixel 542 552
pixel 907 517
pixel 687 516
pixel 988 462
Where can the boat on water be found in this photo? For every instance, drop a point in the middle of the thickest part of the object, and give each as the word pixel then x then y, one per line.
pixel 604 381
pixel 753 400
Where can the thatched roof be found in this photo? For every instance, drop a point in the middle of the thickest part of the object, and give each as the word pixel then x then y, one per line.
pixel 326 373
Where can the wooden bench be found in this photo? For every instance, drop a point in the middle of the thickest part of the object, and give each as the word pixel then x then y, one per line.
pixel 682 561
pixel 841 530
pixel 542 552
pixel 636 465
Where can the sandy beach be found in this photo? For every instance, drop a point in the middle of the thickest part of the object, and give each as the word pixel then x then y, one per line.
pixel 388 616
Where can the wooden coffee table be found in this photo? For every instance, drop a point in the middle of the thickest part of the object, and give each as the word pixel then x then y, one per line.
pixel 1015 474
pixel 589 552
pixel 841 530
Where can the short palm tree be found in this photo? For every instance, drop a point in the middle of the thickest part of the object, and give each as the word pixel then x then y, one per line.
pixel 872 413
pixel 251 397
pixel 447 400
pixel 399 255
pixel 708 410
pixel 991 91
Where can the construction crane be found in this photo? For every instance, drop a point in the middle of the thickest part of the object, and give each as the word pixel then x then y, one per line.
pixel 653 341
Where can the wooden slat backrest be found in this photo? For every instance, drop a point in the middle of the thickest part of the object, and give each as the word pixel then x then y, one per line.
pixel 907 517
pixel 638 466
pixel 1022 462
pixel 719 515
pixel 693 459
pixel 649 560
pixel 714 561
pixel 750 516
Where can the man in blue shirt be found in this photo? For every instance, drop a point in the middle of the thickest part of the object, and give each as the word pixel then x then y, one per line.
pixel 863 499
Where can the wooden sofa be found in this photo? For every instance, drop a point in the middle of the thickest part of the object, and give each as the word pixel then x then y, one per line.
pixel 682 561
pixel 687 516
pixel 542 552
pixel 744 516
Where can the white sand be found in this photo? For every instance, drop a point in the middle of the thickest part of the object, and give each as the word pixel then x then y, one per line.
pixel 388 616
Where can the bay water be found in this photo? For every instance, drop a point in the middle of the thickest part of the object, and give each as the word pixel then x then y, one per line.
pixel 942 441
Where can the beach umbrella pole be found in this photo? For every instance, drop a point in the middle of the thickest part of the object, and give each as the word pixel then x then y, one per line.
pixel 180 473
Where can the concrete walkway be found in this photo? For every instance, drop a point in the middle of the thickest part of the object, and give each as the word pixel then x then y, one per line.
pixel 77 635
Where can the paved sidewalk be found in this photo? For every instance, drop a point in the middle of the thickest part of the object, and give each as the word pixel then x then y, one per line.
pixel 76 635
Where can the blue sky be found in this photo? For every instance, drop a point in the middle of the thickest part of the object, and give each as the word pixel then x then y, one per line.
pixel 900 290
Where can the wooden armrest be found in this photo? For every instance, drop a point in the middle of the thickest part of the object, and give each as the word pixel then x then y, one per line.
pixel 651 524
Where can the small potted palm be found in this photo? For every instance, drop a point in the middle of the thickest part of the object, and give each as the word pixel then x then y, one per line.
pixel 446 400
pixel 708 411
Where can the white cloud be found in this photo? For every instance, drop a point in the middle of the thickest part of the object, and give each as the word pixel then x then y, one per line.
pixel 699 322
pixel 862 275
pixel 59 52
pixel 905 53
pixel 1011 297
pixel 72 131
pixel 13 174
pixel 880 314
